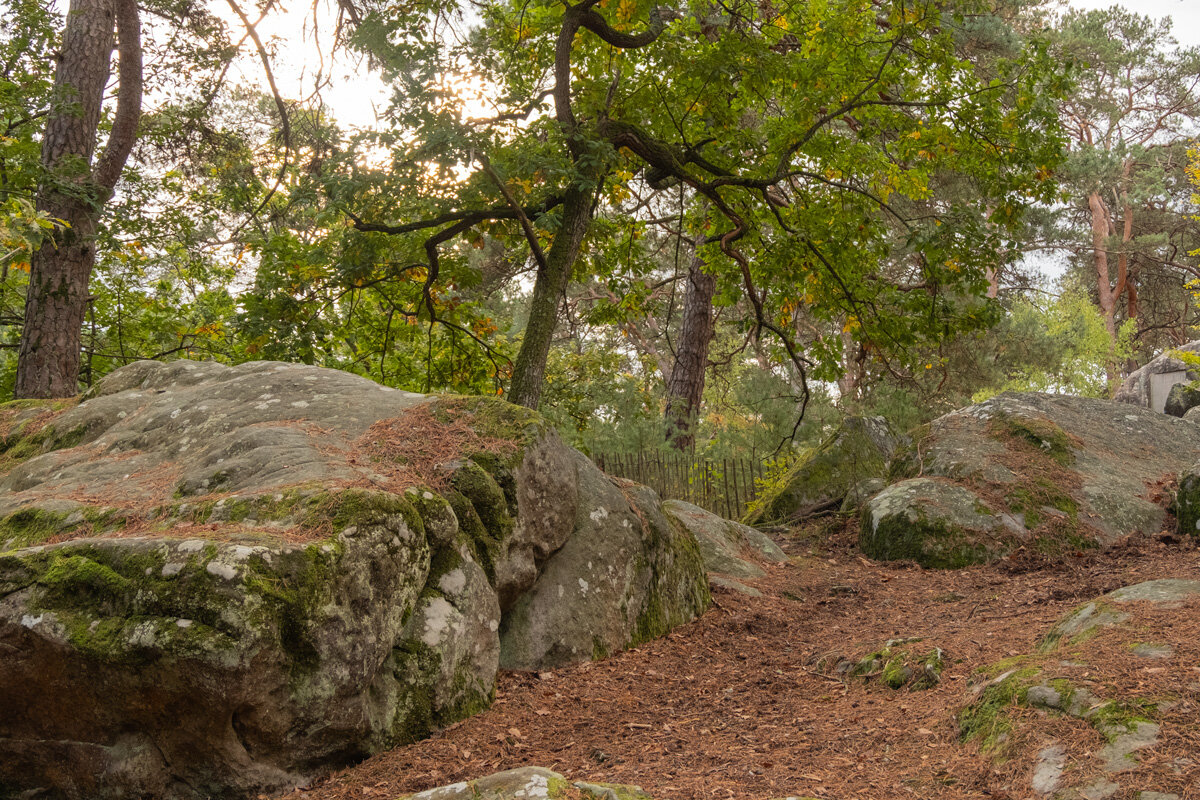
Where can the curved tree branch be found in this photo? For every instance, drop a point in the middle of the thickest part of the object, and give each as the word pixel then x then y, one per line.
pixel 129 97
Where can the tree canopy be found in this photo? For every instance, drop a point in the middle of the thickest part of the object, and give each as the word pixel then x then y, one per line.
pixel 701 218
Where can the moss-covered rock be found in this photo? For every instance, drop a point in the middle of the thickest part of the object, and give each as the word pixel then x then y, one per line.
pixel 627 575
pixel 727 547
pixel 1187 502
pixel 933 522
pixel 221 581
pixel 897 664
pixel 1182 398
pixel 820 480
pixel 1140 389
pixel 1051 473
pixel 1114 609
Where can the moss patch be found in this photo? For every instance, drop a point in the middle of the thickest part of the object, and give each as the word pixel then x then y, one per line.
pixel 899 666
pixel 119 605
pixel 678 583
pixel 987 719
pixel 916 537
pixel 27 430
pixel 1035 435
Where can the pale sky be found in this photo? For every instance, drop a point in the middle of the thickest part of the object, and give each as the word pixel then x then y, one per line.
pixel 1185 13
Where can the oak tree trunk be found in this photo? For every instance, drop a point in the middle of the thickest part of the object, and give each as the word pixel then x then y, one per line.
pixel 73 191
pixel 529 369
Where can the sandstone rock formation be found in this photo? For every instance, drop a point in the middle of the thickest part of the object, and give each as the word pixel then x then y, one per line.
pixel 216 581
pixel 727 547
pixel 1150 386
pixel 1049 472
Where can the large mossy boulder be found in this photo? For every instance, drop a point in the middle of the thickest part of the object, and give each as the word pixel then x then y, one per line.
pixel 1052 473
pixel 857 452
pixel 221 581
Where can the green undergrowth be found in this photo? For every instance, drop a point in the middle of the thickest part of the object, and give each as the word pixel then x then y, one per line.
pixel 819 476
pixel 907 461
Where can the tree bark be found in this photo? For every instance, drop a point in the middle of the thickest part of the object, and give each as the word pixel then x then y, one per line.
pixel 686 385
pixel 71 191
pixel 529 368
pixel 1106 294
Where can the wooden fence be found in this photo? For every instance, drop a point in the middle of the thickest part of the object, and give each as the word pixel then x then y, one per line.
pixel 724 486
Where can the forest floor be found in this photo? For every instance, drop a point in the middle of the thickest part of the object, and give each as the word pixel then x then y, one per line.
pixel 734 706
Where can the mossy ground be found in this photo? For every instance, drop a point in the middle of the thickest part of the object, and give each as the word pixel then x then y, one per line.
pixel 901 665
pixel 987 719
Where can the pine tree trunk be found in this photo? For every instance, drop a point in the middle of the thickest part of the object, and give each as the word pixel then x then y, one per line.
pixel 686 386
pixel 71 191
pixel 1106 294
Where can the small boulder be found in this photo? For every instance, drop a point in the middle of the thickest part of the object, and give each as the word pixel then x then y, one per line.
pixel 1182 398
pixel 529 783
pixel 935 523
pixel 897 664
pixel 1187 502
pixel 626 576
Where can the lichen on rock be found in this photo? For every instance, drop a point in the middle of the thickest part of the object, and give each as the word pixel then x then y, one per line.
pixel 1050 473
pixel 270 570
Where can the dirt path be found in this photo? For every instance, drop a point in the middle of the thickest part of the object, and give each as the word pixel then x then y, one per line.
pixel 731 707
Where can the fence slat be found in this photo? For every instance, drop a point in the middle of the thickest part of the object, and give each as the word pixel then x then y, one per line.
pixel 725 486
